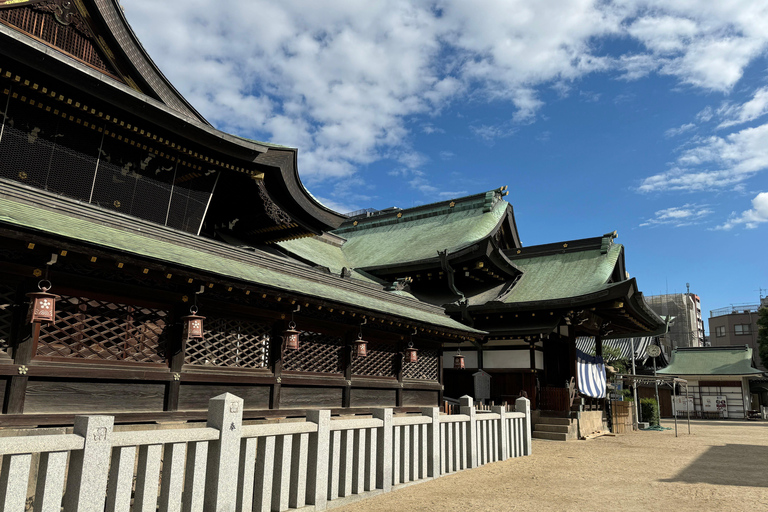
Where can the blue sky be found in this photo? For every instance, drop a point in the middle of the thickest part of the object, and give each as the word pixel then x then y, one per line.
pixel 643 116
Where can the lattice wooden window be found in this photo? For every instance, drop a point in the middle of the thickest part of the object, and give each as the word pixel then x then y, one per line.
pixel 317 353
pixel 424 369
pixel 7 298
pixel 95 329
pixel 380 361
pixel 230 343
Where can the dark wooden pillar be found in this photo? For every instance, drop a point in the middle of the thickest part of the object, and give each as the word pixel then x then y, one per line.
pixel 399 363
pixel 276 350
pixel 346 365
pixel 24 342
pixel 532 347
pixel 440 364
pixel 176 353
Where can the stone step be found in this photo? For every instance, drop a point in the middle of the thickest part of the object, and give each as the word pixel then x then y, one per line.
pixel 552 436
pixel 545 427
pixel 555 421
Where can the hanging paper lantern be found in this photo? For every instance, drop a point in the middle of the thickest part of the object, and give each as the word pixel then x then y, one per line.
pixel 42 306
pixel 193 325
pixel 361 346
pixel 291 336
pixel 411 354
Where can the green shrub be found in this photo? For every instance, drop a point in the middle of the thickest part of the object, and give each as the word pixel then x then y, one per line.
pixel 649 410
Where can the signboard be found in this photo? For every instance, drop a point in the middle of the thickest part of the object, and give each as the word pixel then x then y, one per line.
pixel 717 404
pixel 682 405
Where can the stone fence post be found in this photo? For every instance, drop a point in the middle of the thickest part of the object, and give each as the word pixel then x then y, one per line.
pixel 503 450
pixel 89 467
pixel 384 450
pixel 433 442
pixel 318 459
pixel 524 405
pixel 225 413
pixel 466 406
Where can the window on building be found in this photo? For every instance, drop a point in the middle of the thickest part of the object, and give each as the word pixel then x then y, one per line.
pixel 720 331
pixel 742 329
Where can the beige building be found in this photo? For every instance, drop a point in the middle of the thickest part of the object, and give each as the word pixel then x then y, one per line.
pixel 736 325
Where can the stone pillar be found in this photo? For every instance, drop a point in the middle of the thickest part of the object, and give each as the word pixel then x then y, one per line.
pixel 524 406
pixel 467 407
pixel 502 431
pixel 89 467
pixel 317 459
pixel 384 450
pixel 225 413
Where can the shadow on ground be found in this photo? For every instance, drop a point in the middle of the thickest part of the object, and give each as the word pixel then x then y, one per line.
pixel 732 464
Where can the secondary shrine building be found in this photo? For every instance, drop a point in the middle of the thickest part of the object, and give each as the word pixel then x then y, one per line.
pixel 120 199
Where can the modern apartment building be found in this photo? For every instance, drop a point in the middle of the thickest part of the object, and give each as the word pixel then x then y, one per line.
pixel 737 325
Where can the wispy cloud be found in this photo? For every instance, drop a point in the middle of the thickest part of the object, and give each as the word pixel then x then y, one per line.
pixel 678 216
pixel 674 132
pixel 749 111
pixel 715 163
pixel 750 219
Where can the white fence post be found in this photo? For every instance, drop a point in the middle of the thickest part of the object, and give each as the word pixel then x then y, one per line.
pixel 13 482
pixel 89 467
pixel 50 481
pixel 225 413
pixel 524 405
pixel 432 442
pixel 317 459
pixel 502 431
pixel 467 407
pixel 384 450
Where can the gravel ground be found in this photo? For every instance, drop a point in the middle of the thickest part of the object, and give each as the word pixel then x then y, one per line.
pixel 721 466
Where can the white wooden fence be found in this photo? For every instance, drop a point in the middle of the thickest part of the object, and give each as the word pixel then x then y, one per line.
pixel 227 466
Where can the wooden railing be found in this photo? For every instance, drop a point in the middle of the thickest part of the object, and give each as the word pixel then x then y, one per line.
pixel 230 466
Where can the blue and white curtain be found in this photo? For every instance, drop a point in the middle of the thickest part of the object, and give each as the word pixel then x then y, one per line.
pixel 591 374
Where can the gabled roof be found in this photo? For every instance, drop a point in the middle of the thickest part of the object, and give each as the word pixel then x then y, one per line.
pixel 396 237
pixel 563 275
pixel 711 361
pixel 56 217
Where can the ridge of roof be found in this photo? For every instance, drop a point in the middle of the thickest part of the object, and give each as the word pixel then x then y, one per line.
pixel 486 200
pixel 603 243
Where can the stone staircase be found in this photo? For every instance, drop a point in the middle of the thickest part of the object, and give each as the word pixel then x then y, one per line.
pixel 555 429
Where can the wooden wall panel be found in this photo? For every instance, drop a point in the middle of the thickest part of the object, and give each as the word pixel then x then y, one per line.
pixel 47 396
pixel 361 397
pixel 195 397
pixel 416 398
pixel 310 398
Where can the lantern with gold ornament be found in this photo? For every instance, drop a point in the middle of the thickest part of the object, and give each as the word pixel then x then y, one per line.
pixel 291 336
pixel 458 360
pixel 411 354
pixel 42 305
pixel 361 346
pixel 193 325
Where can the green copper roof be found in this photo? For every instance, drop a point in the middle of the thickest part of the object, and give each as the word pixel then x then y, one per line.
pixel 560 276
pixel 420 233
pixel 259 268
pixel 711 361
pixel 322 253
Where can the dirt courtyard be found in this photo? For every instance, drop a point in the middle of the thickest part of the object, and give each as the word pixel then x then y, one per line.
pixel 721 466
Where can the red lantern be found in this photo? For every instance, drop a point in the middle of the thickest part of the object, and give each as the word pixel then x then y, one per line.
pixel 411 355
pixel 361 346
pixel 42 307
pixel 193 325
pixel 291 336
pixel 458 361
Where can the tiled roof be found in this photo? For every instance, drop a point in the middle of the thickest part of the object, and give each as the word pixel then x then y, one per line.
pixel 711 361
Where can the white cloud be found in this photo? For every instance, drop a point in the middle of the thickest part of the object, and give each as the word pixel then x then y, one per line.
pixel 678 216
pixel 749 111
pixel 715 163
pixel 674 132
pixel 749 218
pixel 341 80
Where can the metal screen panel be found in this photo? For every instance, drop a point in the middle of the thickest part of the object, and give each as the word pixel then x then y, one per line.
pixel 317 353
pixel 424 369
pixel 230 343
pixel 95 329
